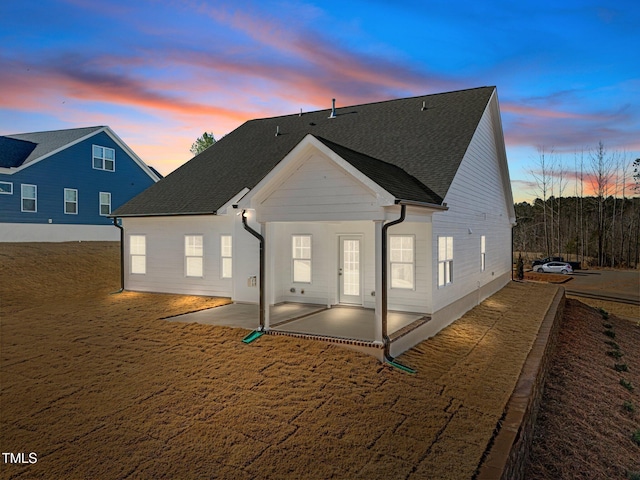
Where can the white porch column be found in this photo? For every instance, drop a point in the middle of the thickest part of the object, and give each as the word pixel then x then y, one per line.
pixel 378 274
pixel 268 273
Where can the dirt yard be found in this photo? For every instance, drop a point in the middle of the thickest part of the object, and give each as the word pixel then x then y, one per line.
pixel 97 386
pixel 587 417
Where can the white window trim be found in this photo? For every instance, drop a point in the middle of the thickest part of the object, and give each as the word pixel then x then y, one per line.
pixel 483 253
pixel 101 204
pixel 103 168
pixel 447 262
pixel 65 201
pixel 224 257
pixel 187 257
pixel 294 259
pixel 10 190
pixel 23 198
pixel 412 263
pixel 137 255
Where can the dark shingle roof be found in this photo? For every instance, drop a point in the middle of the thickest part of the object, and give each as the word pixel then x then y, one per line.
pixel 43 142
pixel 412 153
pixel 14 152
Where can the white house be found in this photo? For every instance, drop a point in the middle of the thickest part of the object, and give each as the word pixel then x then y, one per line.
pixel 396 206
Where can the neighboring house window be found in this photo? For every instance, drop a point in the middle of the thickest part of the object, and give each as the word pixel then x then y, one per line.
pixel 138 253
pixel 301 256
pixel 29 198
pixel 105 203
pixel 483 258
pixel 194 255
pixel 402 261
pixel 226 251
pixel 70 201
pixel 6 188
pixel 104 158
pixel 445 261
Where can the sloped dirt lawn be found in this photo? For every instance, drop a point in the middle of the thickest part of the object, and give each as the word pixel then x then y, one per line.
pixel 97 386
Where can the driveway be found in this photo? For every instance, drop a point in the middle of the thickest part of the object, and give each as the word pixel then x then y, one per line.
pixel 623 284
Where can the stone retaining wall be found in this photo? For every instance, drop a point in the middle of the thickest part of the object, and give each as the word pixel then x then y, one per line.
pixel 507 454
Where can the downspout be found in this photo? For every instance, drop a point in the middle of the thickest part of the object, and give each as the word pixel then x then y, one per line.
pixel 261 276
pixel 115 223
pixel 385 337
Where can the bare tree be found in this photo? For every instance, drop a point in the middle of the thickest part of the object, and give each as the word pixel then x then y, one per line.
pixel 560 173
pixel 543 177
pixel 601 173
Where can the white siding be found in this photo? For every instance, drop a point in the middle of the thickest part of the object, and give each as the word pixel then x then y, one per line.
pixel 165 262
pixel 319 190
pixel 323 288
pixel 477 206
pixel 47 232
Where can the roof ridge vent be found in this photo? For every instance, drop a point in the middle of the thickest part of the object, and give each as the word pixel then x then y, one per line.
pixel 333 108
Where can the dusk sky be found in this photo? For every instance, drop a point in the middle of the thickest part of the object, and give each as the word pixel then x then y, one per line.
pixel 160 73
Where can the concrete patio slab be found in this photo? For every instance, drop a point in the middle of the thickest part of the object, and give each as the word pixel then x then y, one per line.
pixel 339 321
pixel 247 316
pixel 346 322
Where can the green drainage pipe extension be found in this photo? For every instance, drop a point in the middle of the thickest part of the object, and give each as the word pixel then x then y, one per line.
pixel 399 366
pixel 256 334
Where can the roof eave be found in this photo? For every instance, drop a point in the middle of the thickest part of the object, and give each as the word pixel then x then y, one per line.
pixel 415 203
pixel 174 214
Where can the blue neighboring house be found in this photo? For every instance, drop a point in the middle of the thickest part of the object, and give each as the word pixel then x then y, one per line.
pixel 62 185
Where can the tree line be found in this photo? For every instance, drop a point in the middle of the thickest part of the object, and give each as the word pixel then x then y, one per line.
pixel 598 229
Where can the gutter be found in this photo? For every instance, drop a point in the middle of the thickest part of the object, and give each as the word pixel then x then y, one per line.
pixel 262 264
pixel 115 223
pixel 385 337
pixel 415 203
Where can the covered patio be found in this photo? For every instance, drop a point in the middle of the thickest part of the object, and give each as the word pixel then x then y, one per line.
pixel 339 324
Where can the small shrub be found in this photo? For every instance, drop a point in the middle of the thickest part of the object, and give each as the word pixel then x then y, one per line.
pixel 607 325
pixel 621 367
pixel 613 344
pixel 626 384
pixel 633 475
pixel 604 313
pixel 610 333
pixel 636 437
pixel 629 406
pixel 615 353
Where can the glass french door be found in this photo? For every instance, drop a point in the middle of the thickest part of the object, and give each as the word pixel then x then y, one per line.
pixel 350 270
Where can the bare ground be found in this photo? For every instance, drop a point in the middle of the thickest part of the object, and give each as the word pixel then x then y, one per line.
pixel 585 423
pixel 99 387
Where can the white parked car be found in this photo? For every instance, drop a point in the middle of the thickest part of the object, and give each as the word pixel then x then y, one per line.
pixel 554 267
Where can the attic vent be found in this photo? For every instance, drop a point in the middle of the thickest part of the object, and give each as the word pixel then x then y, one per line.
pixel 333 108
pixel 424 105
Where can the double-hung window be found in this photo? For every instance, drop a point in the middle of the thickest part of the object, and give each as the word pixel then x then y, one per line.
pixel 105 203
pixel 29 196
pixel 138 253
pixel 194 255
pixel 226 255
pixel 301 258
pixel 70 201
pixel 445 261
pixel 483 254
pixel 104 158
pixel 402 261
